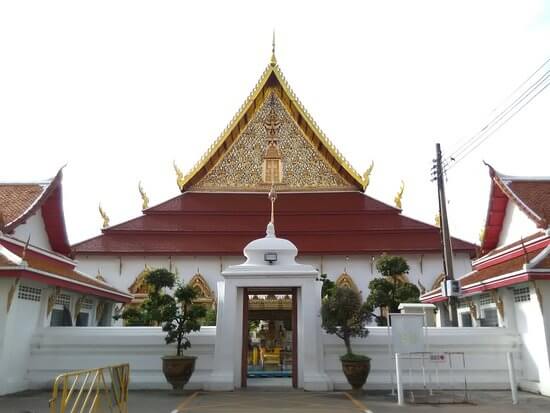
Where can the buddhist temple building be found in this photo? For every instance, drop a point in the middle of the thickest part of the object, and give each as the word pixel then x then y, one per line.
pixel 322 207
pixel 39 283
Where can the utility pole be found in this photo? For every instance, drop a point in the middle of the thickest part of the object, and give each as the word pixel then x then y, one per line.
pixel 446 237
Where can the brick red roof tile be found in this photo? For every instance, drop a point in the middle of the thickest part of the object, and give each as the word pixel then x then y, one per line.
pixel 16 199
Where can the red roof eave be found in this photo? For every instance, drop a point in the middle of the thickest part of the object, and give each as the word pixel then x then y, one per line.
pixel 52 279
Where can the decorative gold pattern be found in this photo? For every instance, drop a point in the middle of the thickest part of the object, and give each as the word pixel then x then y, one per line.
pixel 180 180
pixel 242 165
pixel 345 280
pixel 205 296
pixel 473 309
pixel 100 309
pixel 104 216
pixel 272 69
pixel 499 303
pixel 270 303
pixel 399 196
pixel 51 300
pixel 139 288
pixel 144 197
pixel 366 176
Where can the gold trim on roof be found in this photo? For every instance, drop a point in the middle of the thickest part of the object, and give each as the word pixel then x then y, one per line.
pixel 273 68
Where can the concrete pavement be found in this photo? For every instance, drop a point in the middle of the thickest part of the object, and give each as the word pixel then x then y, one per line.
pixel 258 400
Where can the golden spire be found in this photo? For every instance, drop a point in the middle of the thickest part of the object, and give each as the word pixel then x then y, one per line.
pixel 144 197
pixel 438 220
pixel 180 178
pixel 272 197
pixel 399 196
pixel 367 174
pixel 273 58
pixel 104 216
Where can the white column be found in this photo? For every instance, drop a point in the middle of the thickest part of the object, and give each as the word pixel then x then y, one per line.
pixel 222 377
pixel 309 339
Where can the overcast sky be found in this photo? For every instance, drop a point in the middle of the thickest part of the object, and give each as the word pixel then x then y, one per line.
pixel 119 89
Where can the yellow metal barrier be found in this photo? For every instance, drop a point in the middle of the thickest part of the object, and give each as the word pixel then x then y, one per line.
pixel 102 390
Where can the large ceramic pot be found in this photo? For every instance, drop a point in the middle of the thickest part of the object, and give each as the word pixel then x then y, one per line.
pixel 356 372
pixel 178 370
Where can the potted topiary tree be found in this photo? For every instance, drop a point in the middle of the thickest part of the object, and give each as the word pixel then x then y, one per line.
pixel 178 316
pixel 389 291
pixel 344 315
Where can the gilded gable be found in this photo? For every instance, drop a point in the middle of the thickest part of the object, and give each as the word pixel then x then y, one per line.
pixel 243 166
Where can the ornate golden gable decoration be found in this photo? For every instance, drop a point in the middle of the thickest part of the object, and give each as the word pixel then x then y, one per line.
pixel 139 288
pixel 274 80
pixel 206 296
pixel 345 280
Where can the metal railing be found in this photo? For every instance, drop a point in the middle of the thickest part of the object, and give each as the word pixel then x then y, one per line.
pixel 101 390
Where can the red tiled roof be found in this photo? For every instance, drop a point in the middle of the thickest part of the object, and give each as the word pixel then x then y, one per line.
pixel 530 194
pixel 55 269
pixel 223 223
pixel 16 199
pixel 18 202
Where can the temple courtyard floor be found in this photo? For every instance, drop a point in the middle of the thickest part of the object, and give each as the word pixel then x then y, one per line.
pixel 258 400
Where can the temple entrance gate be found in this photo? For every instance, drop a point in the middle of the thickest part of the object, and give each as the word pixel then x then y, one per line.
pixel 270 265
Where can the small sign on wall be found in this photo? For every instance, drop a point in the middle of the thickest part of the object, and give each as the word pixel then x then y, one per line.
pixel 407 333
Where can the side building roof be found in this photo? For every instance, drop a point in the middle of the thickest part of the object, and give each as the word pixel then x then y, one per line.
pixel 18 260
pixel 530 194
pixel 20 201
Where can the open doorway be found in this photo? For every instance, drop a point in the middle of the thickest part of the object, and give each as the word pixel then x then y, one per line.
pixel 269 338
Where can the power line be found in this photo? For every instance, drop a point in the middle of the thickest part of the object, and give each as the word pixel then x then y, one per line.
pixel 463 143
pixel 540 81
pixel 457 160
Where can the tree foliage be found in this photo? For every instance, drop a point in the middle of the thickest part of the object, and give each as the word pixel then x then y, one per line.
pixel 176 313
pixel 328 285
pixel 343 314
pixel 387 293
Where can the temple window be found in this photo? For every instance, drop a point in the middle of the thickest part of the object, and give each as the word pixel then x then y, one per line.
pixel 272 171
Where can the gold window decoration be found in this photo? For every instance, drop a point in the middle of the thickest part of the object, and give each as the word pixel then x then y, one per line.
pixel 345 280
pixel 139 289
pixel 272 173
pixel 205 296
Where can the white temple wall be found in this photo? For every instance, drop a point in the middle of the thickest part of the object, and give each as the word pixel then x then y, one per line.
pixel 18 326
pixel 515 225
pixel 122 271
pixel 34 226
pixel 16 330
pixel 55 350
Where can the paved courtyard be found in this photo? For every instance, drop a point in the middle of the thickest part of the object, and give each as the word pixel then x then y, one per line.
pixel 287 401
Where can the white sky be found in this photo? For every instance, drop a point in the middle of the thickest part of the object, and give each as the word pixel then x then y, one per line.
pixel 118 89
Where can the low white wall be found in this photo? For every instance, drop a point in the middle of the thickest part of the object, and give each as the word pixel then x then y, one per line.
pixel 484 352
pixel 59 349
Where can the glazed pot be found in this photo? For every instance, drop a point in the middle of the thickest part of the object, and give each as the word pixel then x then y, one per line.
pixel 356 372
pixel 178 370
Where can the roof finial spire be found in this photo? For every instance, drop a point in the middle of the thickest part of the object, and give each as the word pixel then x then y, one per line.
pixel 272 197
pixel 270 231
pixel 273 58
